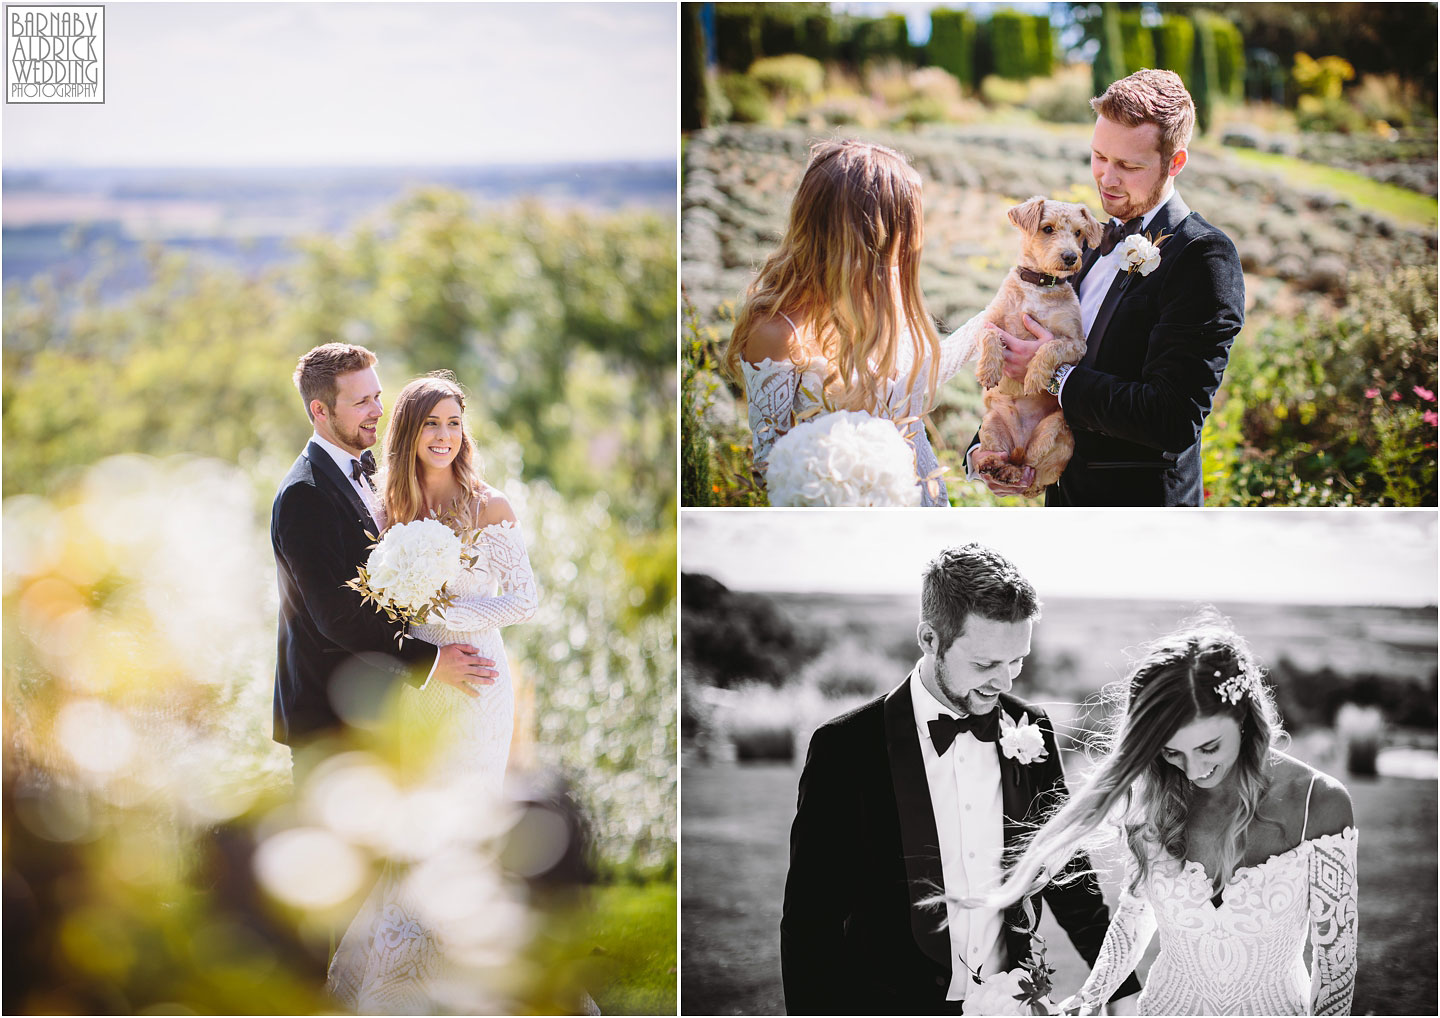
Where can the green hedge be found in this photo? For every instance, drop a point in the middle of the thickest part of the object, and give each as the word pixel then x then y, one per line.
pixel 952 44
pixel 1137 43
pixel 1175 45
pixel 1021 44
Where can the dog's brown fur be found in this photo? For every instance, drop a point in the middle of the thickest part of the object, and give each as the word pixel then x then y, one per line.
pixel 1023 425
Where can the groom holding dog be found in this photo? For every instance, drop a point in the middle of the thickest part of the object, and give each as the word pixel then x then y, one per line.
pixel 1157 338
pixel 923 791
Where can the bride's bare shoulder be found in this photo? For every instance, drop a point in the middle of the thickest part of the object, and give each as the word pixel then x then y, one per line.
pixel 1329 810
pixel 496 507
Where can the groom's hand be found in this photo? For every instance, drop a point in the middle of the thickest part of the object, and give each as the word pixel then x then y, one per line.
pixel 1018 352
pixel 460 665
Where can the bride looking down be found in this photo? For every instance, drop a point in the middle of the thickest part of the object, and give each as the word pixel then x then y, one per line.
pixel 1233 849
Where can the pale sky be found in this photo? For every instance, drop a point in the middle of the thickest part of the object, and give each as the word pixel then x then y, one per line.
pixel 297 84
pixel 1325 556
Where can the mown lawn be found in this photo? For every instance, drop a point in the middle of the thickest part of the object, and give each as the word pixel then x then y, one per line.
pixel 1398 203
pixel 734 848
pixel 635 933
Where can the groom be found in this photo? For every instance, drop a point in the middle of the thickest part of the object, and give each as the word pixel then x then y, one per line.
pixel 336 653
pixel 913 794
pixel 1157 338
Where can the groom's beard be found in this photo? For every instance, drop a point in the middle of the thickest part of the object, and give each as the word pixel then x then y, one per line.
pixel 1130 209
pixel 967 702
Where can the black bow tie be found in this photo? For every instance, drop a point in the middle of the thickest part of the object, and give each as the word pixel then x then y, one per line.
pixel 1116 231
pixel 985 727
pixel 364 466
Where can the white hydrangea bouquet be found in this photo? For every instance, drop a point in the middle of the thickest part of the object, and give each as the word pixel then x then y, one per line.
pixel 410 569
pixel 1024 989
pixel 843 458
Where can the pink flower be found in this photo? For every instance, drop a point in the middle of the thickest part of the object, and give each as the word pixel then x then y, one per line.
pixel 1394 397
pixel 1431 418
pixel 1425 394
pixel 1371 393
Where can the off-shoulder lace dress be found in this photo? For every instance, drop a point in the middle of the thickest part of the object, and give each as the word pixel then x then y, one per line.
pixel 391 960
pixel 779 392
pixel 1244 956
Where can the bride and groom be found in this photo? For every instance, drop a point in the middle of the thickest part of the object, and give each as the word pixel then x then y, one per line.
pixel 336 651
pixel 836 320
pixel 934 824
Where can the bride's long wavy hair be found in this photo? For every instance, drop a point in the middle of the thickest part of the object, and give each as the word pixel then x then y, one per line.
pixel 1133 787
pixel 400 481
pixel 849 264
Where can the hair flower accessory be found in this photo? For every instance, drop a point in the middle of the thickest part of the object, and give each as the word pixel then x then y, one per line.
pixel 1140 252
pixel 1233 689
pixel 1022 740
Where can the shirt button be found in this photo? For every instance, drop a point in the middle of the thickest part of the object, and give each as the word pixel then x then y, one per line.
pixel 967 805
pixel 972 855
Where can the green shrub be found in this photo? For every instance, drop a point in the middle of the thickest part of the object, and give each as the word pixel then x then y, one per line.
pixel 1175 45
pixel 952 44
pixel 1137 42
pixel 1333 407
pixel 1062 98
pixel 1109 66
pixel 695 483
pixel 1313 113
pixel 1229 59
pixel 747 99
pixel 998 91
pixel 883 38
pixel 1205 64
pixel 1012 41
pixel 1324 78
pixel 789 76
pixel 737 36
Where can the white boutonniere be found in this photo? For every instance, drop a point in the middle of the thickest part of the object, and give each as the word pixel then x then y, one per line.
pixel 1140 252
pixel 1021 740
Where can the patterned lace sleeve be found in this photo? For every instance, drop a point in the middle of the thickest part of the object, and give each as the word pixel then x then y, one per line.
pixel 958 347
pixel 503 547
pixel 1334 921
pixel 1131 927
pixel 770 388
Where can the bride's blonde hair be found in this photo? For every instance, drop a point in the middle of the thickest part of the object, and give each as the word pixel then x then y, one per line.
pixel 850 257
pixel 1133 788
pixel 404 496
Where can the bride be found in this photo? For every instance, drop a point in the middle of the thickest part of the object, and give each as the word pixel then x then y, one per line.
pixel 391 960
pixel 836 316
pixel 1233 848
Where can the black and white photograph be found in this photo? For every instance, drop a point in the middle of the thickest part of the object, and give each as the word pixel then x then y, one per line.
pixel 998 763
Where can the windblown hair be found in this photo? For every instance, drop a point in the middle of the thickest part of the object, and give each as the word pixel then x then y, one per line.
pixel 973 580
pixel 856 214
pixel 1134 788
pixel 317 370
pixel 1151 97
pixel 404 497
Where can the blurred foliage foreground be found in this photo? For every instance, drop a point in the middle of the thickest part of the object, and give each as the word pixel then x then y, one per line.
pixel 155 855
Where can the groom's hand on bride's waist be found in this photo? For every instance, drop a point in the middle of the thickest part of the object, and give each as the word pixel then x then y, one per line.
pixel 460 665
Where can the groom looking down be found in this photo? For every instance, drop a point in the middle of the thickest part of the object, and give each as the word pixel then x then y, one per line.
pixel 915 793
pixel 1158 335
pixel 325 506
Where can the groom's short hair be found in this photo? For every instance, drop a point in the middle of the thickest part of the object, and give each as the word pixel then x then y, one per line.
pixel 316 373
pixel 973 580
pixel 1151 97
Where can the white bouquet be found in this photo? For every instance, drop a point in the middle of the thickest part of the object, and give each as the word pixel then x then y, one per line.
pixel 410 569
pixel 1025 989
pixel 842 458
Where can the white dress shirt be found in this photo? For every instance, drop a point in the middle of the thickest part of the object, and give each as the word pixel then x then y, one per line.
pixel 970 820
pixel 343 460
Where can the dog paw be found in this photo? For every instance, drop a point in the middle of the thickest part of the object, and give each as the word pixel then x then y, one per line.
pixel 990 370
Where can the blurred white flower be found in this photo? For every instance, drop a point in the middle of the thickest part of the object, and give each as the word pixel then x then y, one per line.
pixel 1021 741
pixel 1000 994
pixel 846 458
pixel 309 867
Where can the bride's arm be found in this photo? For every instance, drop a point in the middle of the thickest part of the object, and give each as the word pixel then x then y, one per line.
pixel 1334 916
pixel 960 346
pixel 1131 927
pixel 503 547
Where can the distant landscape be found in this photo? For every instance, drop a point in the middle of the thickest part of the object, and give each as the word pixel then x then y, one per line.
pixel 68 222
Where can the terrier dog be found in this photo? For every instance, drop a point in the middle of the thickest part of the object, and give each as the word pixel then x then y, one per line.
pixel 1023 425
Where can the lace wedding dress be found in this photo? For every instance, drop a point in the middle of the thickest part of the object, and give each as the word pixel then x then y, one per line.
pixel 1244 956
pixel 779 392
pixel 392 959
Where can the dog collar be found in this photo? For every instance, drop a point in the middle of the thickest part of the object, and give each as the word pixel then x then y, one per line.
pixel 1041 278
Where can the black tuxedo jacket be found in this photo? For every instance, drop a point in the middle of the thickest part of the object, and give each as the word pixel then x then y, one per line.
pixel 864 850
pixel 317 528
pixel 1153 363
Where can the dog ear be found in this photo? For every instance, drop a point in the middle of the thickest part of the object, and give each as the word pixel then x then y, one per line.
pixel 1094 230
pixel 1027 214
